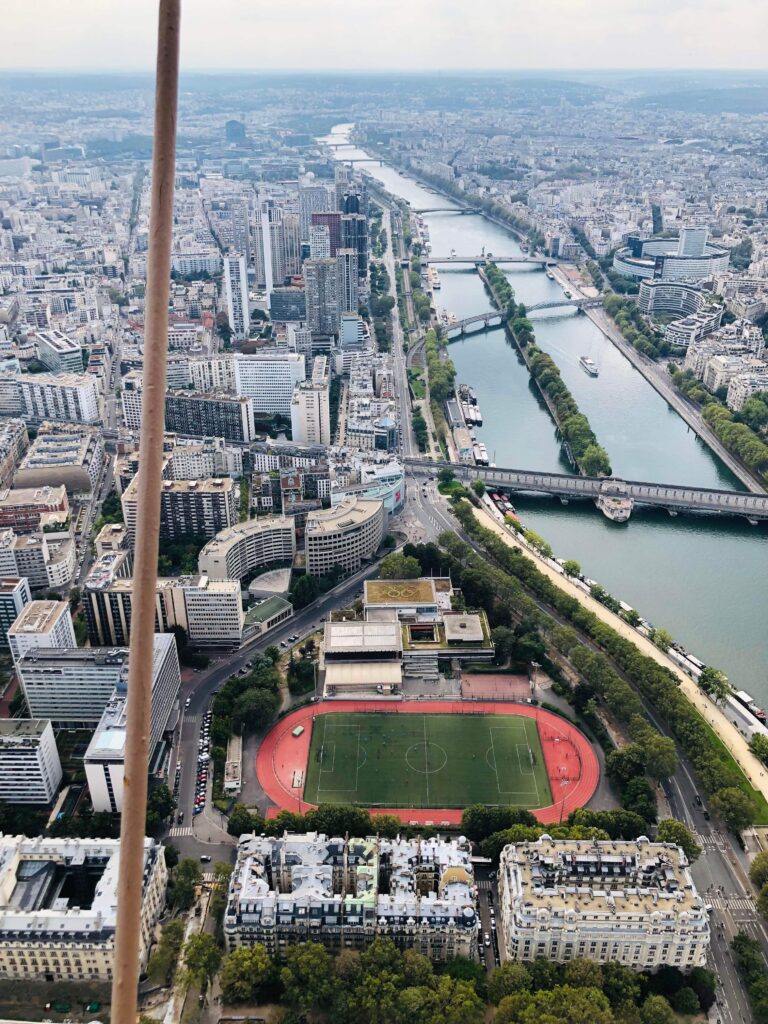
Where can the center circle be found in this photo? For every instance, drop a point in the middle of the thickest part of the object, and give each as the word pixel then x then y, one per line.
pixel 426 758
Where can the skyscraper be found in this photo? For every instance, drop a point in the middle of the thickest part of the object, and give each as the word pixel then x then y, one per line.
pixel 347 292
pixel 354 235
pixel 332 221
pixel 319 242
pixel 312 199
pixel 277 252
pixel 236 290
pixel 321 280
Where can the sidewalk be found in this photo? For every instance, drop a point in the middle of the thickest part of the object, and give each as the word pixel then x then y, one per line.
pixel 738 747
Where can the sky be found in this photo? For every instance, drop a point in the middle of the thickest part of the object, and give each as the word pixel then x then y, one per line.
pixel 338 35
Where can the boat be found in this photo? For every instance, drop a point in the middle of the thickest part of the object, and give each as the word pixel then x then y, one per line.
pixel 616 507
pixel 589 366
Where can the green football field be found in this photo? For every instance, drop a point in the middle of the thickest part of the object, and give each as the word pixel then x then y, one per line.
pixel 433 760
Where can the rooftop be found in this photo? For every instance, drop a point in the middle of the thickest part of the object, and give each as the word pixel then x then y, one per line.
pixel 407 592
pixel 357 637
pixel 39 617
pixel 267 609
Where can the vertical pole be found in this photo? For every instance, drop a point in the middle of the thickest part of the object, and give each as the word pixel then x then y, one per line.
pixel 130 881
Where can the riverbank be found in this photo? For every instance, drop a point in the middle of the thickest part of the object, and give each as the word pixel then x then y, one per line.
pixel 649 370
pixel 754 771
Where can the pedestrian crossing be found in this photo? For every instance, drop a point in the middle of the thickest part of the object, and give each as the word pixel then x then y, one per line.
pixel 180 830
pixel 484 884
pixel 731 903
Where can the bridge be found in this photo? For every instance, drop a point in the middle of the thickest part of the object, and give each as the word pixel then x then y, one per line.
pixel 494 319
pixel 460 210
pixel 672 497
pixel 482 260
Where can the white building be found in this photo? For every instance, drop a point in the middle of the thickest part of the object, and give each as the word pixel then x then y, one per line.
pixel 743 386
pixel 30 769
pixel 344 893
pixel 14 596
pixel 105 756
pixel 348 294
pixel 310 407
pixel 72 687
pixel 70 397
pixel 268 379
pixel 47 560
pixel 47 934
pixel 343 536
pixel 246 547
pixel 41 624
pixel 58 352
pixel 632 903
pixel 236 291
pixel 191 264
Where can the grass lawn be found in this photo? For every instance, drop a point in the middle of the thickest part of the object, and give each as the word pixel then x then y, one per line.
pixel 433 760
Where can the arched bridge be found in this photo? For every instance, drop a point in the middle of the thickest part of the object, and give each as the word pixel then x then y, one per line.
pixel 495 319
pixel 460 210
pixel 673 497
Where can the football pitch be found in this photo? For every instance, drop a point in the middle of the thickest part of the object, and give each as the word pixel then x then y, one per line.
pixel 431 760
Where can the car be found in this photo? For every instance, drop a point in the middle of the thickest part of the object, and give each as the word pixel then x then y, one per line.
pixel 487 940
pixel 706 815
pixel 205 859
pixel 187 702
pixel 197 810
pixel 698 800
pixel 181 816
pixel 283 643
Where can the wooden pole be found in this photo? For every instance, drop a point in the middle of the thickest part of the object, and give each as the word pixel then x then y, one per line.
pixel 130 883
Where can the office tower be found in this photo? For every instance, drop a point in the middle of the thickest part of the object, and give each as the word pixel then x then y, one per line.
pixel 188 508
pixel 331 220
pixel 14 595
pixel 229 223
pixel 312 199
pixel 59 353
pixel 289 304
pixel 347 289
pixel 213 414
pixel 46 559
pixel 263 259
pixel 299 339
pixel 268 379
pixel 692 241
pixel 41 624
pixel 344 535
pixel 354 235
pixel 277 252
pixel 65 937
pixel 234 131
pixel 236 291
pixel 342 183
pixel 310 410
pixel 321 281
pixel 130 399
pixel 70 397
pixel 72 687
pixel 63 454
pixel 30 769
pixel 319 242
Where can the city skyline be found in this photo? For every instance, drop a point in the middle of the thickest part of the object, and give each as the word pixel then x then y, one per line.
pixel 554 35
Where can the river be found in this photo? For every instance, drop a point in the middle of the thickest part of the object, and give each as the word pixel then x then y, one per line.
pixel 703 580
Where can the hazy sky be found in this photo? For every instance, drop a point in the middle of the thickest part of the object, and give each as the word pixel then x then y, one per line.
pixel 102 35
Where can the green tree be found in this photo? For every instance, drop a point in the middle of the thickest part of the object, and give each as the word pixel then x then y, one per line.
pixel 305 590
pixel 254 709
pixel 159 806
pixel 625 763
pixel 571 567
pixel 685 1001
pixel 759 747
pixel 399 567
pixel 662 639
pixel 202 958
pixel 245 973
pixel 672 831
pixel 308 978
pixel 715 683
pixel 758 869
pixel 164 958
pixel 505 980
pixel 661 755
pixel 733 807
pixel 273 653
pixel 241 821
pixel 478 486
pixel 583 973
pixel 656 1010
pixel 446 476
pixel 762 901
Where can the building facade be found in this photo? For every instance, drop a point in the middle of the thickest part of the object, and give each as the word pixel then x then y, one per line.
pixel 632 903
pixel 41 624
pixel 236 292
pixel 58 352
pixel 268 379
pixel 70 397
pixel 247 547
pixel 343 536
pixel 14 596
pixel 188 508
pixel 30 768
pixel 210 415
pixel 310 407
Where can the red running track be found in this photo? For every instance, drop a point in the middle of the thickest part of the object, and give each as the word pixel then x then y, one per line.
pixel 571 763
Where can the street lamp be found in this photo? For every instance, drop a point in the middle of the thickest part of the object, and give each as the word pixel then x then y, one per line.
pixel 535 666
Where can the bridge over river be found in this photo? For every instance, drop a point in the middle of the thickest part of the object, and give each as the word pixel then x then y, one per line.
pixel 485 258
pixel 674 498
pixel 495 319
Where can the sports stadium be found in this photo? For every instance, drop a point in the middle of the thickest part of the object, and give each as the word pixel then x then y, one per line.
pixel 425 761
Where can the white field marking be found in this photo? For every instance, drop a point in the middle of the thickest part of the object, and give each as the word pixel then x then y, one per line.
pixel 339 789
pixel 528 793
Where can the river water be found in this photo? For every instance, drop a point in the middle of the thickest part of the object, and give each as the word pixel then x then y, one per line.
pixel 703 580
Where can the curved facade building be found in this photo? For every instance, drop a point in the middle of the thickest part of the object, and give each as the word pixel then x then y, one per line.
pixel 242 549
pixel 671 297
pixel 344 535
pixel 687 258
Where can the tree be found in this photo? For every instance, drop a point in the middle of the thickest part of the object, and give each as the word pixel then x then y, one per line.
pixel 163 961
pixel 245 973
pixel 305 590
pixel 758 869
pixel 241 821
pixel 625 764
pixel 638 796
pixel 661 755
pixel 571 567
pixel 478 486
pixel 254 709
pixel 446 476
pixel 685 1001
pixel 223 328
pixel 672 831
pixel 202 958
pixel 273 653
pixel 762 901
pixel 662 639
pixel 308 977
pixel 583 973
pixel 656 1010
pixel 159 806
pixel 399 567
pixel 715 683
pixel 505 980
pixel 733 807
pixel 759 747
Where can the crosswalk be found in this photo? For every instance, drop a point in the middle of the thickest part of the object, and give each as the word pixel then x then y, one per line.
pixel 180 830
pixel 484 884
pixel 731 903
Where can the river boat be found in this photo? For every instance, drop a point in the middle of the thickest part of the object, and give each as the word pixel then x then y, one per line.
pixel 434 278
pixel 616 507
pixel 589 366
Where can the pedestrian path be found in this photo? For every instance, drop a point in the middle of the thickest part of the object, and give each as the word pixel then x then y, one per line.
pixel 180 830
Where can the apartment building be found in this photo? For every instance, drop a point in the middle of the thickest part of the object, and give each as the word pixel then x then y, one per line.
pixel 71 397
pixel 47 561
pixel 632 903
pixel 344 893
pixel 188 508
pixel 41 624
pixel 210 414
pixel 58 907
pixel 236 293
pixel 21 508
pixel 310 407
pixel 63 454
pixel 30 768
pixel 14 441
pixel 246 547
pixel 14 596
pixel 268 379
pixel 58 352
pixel 343 536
